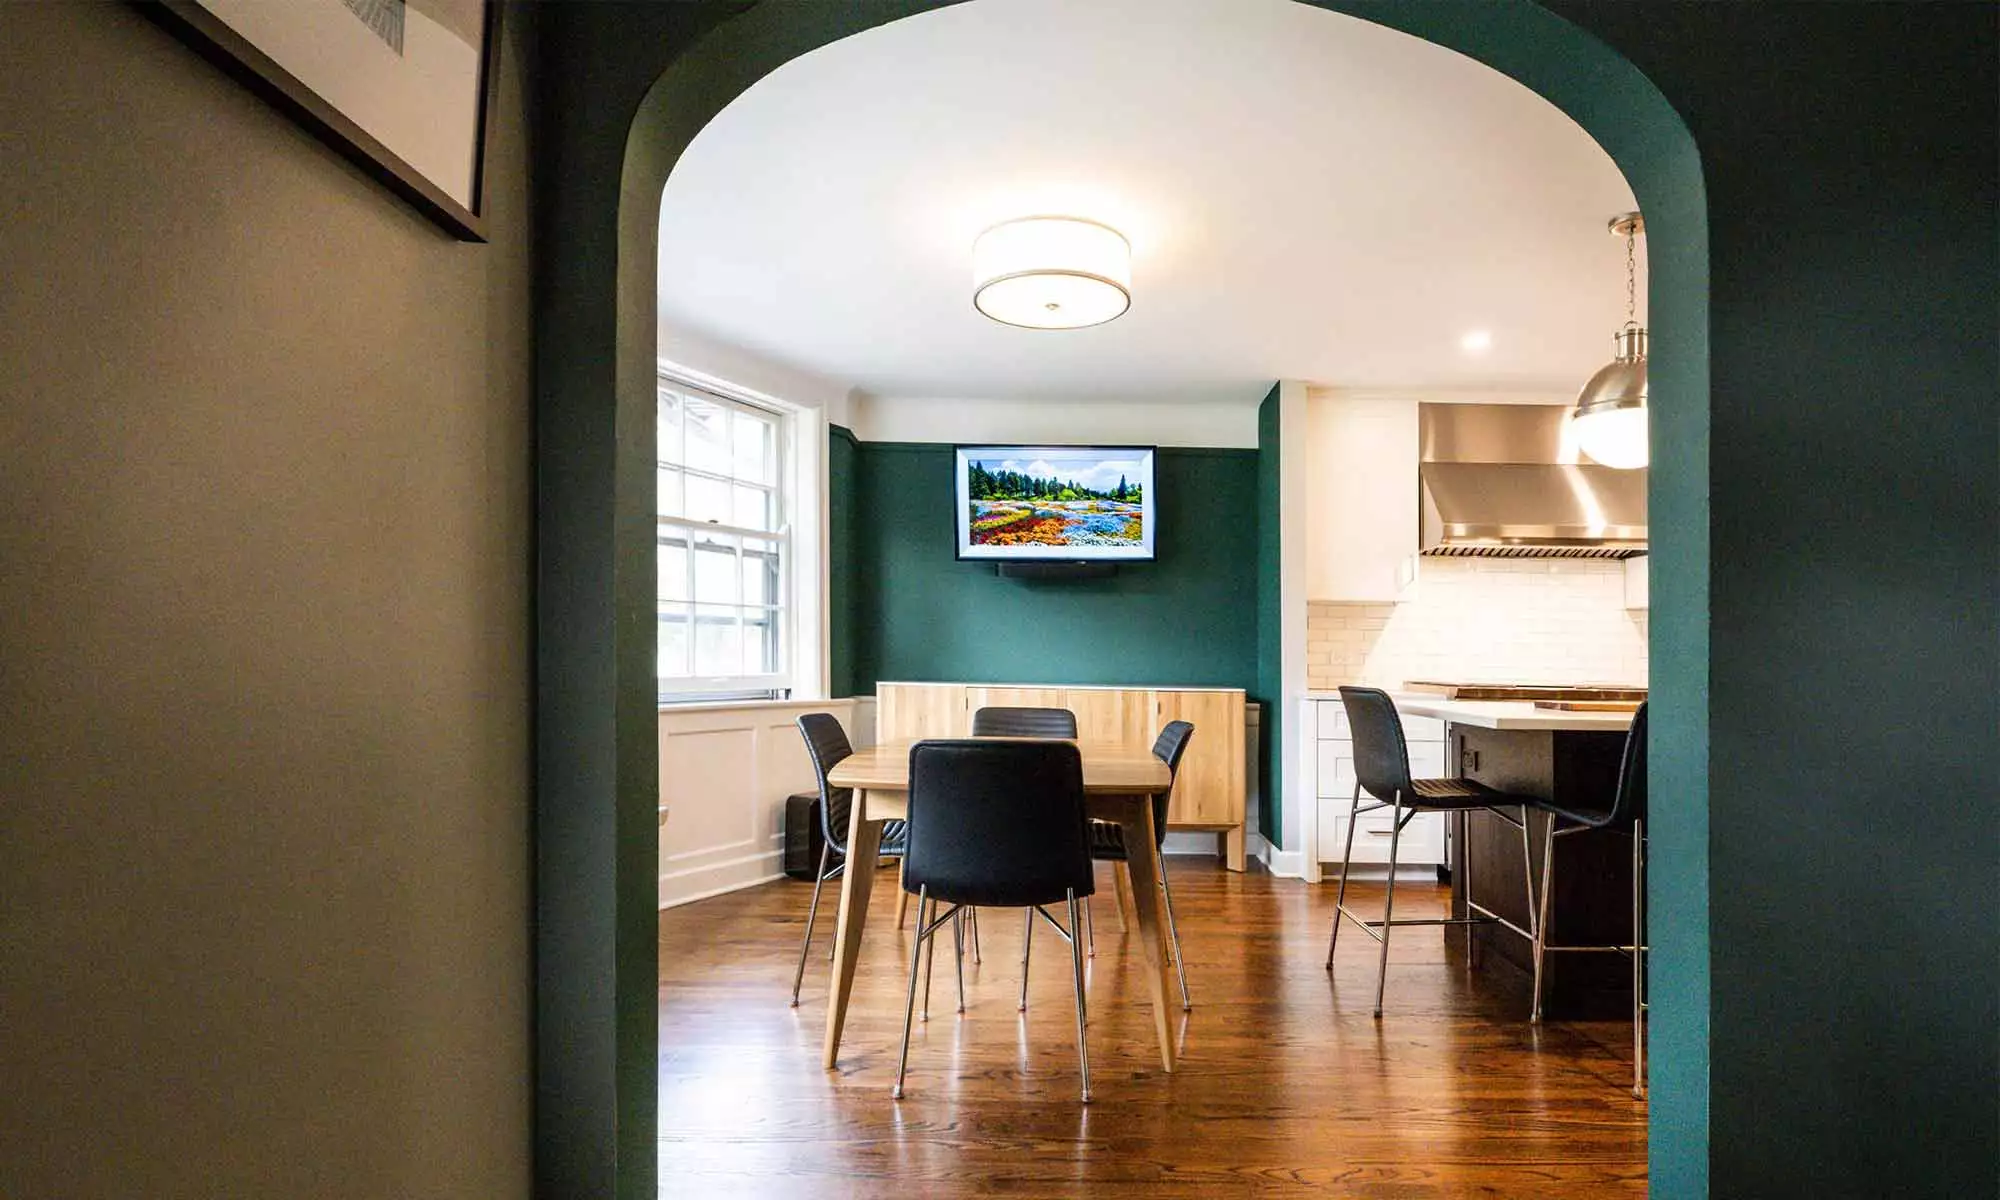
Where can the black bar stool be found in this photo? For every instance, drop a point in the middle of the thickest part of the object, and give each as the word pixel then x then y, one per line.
pixel 1382 768
pixel 1628 808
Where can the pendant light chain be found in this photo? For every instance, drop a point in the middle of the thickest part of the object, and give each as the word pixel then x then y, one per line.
pixel 1631 280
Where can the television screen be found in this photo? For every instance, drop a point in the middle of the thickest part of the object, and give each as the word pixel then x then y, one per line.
pixel 1062 503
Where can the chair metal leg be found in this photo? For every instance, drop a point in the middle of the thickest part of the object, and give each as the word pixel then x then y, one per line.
pixel 958 945
pixel 910 1001
pixel 972 915
pixel 930 961
pixel 1542 926
pixel 1027 944
pixel 1346 863
pixel 1638 960
pixel 1089 928
pixel 1174 937
pixel 805 947
pixel 1388 903
pixel 1528 877
pixel 1076 973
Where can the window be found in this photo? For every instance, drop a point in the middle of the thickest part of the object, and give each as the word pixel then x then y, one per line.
pixel 725 545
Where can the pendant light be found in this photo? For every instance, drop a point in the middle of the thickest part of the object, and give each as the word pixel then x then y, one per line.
pixel 1610 415
pixel 1052 273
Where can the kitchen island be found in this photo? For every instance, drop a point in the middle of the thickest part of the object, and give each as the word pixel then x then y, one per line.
pixel 1571 759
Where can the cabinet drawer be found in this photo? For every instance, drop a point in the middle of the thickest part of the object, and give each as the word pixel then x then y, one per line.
pixel 1422 844
pixel 1422 729
pixel 1426 760
pixel 1335 776
pixel 1333 720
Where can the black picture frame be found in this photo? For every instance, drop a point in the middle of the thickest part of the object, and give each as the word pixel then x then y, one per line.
pixel 237 56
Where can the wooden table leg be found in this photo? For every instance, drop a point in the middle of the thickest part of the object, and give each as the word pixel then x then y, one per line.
pixel 1121 884
pixel 1232 848
pixel 1143 859
pixel 864 841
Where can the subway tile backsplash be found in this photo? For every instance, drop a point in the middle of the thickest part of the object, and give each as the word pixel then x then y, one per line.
pixel 1500 619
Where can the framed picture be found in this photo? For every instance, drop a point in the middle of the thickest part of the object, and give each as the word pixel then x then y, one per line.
pixel 402 88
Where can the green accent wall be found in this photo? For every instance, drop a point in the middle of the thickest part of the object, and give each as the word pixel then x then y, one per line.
pixel 1270 624
pixel 843 556
pixel 1189 617
pixel 1852 655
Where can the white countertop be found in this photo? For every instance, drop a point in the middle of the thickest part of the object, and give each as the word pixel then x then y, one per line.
pixel 1510 714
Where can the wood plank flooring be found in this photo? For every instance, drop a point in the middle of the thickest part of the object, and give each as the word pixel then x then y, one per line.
pixel 1288 1086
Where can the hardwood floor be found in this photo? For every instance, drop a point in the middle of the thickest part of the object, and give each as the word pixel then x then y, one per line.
pixel 1287 1085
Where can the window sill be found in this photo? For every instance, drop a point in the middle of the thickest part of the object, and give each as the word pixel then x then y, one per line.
pixel 701 706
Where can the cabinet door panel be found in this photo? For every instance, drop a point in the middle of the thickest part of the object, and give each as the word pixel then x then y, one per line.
pixel 1112 716
pixel 909 711
pixel 1210 787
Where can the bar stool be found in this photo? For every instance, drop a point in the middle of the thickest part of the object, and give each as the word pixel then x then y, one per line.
pixel 1628 807
pixel 1382 768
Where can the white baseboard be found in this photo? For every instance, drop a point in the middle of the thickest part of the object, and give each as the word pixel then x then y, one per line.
pixel 1289 864
pixel 686 887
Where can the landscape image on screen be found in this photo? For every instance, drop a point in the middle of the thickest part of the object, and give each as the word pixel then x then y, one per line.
pixel 1058 499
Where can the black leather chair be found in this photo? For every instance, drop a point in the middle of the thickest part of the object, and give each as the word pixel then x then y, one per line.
pixel 1107 841
pixel 1024 722
pixel 1627 811
pixel 826 743
pixel 998 825
pixel 1001 721
pixel 1382 769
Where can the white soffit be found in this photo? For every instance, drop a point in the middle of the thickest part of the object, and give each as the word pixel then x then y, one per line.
pixel 1308 196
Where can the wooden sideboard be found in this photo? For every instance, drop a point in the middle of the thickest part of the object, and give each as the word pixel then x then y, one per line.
pixel 1209 793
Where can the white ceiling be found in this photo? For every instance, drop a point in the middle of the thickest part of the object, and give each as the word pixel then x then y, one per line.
pixel 1308 196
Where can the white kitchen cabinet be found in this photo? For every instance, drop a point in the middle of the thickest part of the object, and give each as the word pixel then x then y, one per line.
pixel 1361 497
pixel 1333 791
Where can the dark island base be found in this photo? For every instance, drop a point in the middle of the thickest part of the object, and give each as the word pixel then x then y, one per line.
pixel 1592 901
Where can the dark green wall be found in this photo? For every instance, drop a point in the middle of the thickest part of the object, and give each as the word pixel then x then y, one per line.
pixel 842 558
pixel 1187 618
pixel 1270 624
pixel 1853 175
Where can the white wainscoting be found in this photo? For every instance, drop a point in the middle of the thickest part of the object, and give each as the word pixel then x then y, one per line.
pixel 725 771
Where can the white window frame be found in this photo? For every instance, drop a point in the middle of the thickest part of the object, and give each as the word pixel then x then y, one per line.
pixel 798 619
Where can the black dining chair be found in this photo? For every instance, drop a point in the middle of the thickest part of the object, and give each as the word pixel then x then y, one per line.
pixel 1382 769
pixel 998 825
pixel 1627 812
pixel 1107 841
pixel 1024 722
pixel 1003 721
pixel 827 745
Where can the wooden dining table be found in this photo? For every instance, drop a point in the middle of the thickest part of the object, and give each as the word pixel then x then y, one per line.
pixel 1119 782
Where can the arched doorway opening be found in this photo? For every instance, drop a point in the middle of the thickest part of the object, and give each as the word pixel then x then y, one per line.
pixel 598 760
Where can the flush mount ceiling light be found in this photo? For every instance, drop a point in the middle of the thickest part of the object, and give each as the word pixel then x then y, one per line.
pixel 1052 273
pixel 1610 415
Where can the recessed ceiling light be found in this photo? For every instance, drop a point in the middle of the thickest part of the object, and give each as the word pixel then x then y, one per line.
pixel 1478 341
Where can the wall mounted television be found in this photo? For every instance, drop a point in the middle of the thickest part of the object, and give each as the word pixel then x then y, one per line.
pixel 1056 503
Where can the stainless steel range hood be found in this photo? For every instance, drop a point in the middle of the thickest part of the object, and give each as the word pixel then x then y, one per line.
pixel 1498 480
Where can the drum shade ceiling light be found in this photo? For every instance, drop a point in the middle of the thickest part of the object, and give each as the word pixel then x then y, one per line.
pixel 1052 273
pixel 1610 415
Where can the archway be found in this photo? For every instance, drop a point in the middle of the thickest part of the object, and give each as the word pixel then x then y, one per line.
pixel 672 68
